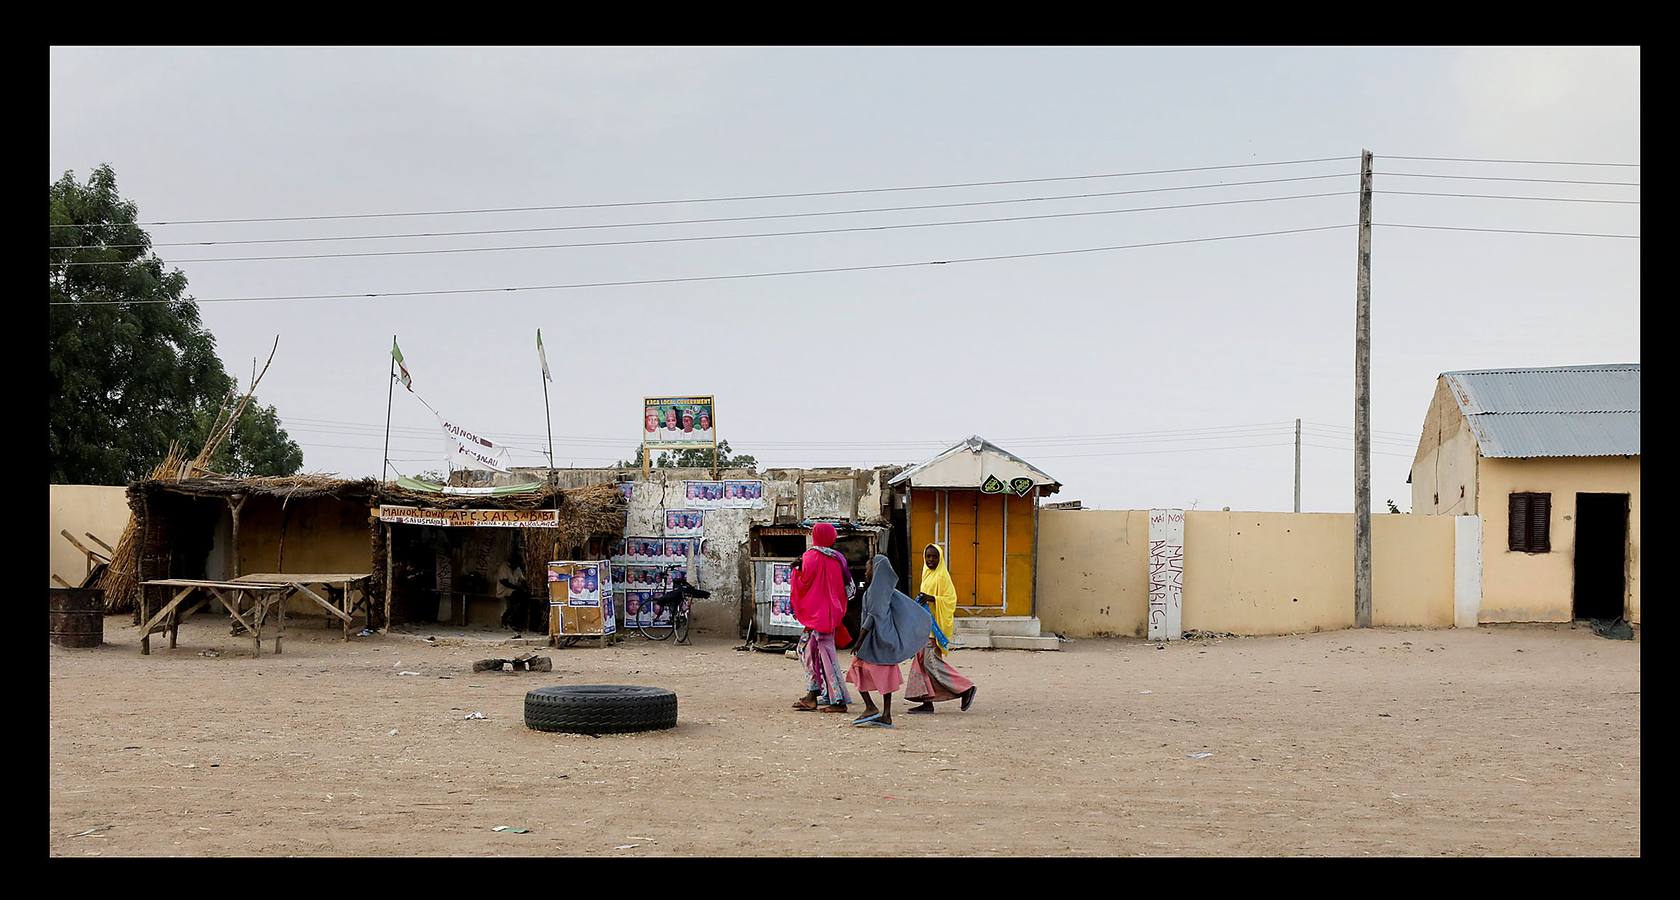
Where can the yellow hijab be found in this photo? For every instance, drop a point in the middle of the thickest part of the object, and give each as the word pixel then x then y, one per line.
pixel 936 583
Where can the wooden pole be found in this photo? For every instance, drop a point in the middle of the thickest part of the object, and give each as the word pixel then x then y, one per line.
pixel 390 388
pixel 1362 409
pixel 234 503
pixel 390 550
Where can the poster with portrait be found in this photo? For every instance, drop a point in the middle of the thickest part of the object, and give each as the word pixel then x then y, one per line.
pixel 685 522
pixel 639 551
pixel 638 608
pixel 781 595
pixel 678 423
pixel 584 585
pixel 647 578
pixel 628 489
pixel 723 494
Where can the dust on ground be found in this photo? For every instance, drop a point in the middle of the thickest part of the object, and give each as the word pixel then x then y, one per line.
pixel 1513 740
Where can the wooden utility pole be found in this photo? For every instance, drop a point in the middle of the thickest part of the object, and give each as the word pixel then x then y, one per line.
pixel 1362 410
pixel 1297 465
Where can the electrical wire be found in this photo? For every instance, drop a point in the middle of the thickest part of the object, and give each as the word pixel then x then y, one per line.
pixel 1520 162
pixel 706 221
pixel 1491 178
pixel 718 237
pixel 703 278
pixel 920 187
pixel 1508 197
pixel 1631 237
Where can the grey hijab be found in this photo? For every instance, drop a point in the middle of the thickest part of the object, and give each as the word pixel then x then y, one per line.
pixel 895 626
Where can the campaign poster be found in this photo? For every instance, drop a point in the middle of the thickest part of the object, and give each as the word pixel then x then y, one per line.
pixel 628 489
pixel 640 551
pixel 685 522
pixel 584 587
pixel 743 494
pixel 781 595
pixel 678 423
pixel 647 578
pixel 638 608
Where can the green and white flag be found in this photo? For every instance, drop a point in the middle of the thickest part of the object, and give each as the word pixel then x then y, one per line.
pixel 396 354
pixel 543 356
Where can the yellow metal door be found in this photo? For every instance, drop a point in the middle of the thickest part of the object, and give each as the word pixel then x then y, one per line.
pixel 961 514
pixel 1019 537
pixel 988 554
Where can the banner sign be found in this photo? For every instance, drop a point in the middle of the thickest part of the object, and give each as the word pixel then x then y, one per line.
pixel 470 449
pixel 471 518
pixel 678 423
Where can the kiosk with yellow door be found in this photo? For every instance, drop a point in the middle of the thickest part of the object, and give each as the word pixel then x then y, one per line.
pixel 981 502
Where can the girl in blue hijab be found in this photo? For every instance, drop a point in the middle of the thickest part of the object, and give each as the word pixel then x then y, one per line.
pixel 893 629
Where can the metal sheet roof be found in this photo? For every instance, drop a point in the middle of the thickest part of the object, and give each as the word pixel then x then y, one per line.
pixel 1565 411
pixel 966 465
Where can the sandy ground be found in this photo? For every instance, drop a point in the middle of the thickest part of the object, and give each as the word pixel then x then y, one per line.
pixel 1519 740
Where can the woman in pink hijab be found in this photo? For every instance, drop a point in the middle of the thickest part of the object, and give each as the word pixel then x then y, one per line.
pixel 821 583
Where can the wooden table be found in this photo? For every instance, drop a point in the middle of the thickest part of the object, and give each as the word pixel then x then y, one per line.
pixel 266 591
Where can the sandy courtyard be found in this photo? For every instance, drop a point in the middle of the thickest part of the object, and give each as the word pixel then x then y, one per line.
pixel 1499 741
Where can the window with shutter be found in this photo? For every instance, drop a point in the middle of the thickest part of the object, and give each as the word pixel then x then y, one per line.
pixel 1530 523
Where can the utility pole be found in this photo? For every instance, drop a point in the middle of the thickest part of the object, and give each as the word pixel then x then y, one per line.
pixel 1362 410
pixel 1297 465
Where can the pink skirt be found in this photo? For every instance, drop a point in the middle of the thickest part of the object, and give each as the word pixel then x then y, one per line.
pixel 874 678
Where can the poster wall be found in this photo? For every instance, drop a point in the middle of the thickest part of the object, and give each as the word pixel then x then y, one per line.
pixel 678 423
pixel 723 494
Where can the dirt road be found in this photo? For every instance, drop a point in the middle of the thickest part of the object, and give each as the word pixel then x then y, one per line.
pixel 1512 740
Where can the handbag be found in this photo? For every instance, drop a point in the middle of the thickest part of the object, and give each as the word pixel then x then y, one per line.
pixel 842 637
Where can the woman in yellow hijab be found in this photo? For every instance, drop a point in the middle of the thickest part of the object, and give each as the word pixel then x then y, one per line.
pixel 932 678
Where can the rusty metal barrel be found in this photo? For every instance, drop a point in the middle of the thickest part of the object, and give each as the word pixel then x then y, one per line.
pixel 76 617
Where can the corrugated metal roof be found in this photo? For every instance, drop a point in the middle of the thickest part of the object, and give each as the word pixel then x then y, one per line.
pixel 967 463
pixel 1564 411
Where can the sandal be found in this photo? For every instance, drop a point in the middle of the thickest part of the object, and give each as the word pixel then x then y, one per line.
pixel 836 708
pixel 803 707
pixel 968 698
pixel 866 718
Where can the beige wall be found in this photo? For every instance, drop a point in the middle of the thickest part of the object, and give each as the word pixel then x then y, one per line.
pixel 1540 587
pixel 1444 472
pixel 80 508
pixel 1244 573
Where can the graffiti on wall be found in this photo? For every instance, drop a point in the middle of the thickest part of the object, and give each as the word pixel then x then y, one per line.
pixel 1166 574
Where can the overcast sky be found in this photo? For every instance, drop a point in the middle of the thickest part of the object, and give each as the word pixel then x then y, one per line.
pixel 1164 376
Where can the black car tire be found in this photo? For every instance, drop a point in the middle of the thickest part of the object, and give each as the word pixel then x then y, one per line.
pixel 600 709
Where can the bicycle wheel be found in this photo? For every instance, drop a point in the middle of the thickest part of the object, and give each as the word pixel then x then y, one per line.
pixel 679 624
pixel 653 633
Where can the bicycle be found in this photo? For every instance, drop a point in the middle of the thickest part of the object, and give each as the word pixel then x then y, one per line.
pixel 673 606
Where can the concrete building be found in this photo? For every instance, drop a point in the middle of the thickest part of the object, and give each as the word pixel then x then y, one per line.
pixel 1549 459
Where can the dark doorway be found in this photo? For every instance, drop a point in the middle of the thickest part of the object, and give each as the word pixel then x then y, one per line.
pixel 1600 555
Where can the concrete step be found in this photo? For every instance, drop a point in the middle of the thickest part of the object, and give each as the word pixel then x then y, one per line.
pixel 1016 642
pixel 971 640
pixel 1014 626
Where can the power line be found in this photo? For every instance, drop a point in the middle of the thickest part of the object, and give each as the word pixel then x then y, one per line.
pixel 1509 197
pixel 720 237
pixel 705 221
pixel 1522 162
pixel 920 187
pixel 1491 178
pixel 1632 237
pixel 702 278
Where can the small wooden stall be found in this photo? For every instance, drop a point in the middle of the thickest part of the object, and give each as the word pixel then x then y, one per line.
pixel 981 502
pixel 310 530
pixel 773 548
pixel 580 602
pixel 439 556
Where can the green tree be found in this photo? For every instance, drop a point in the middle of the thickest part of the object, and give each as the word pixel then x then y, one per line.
pixel 131 366
pixel 700 458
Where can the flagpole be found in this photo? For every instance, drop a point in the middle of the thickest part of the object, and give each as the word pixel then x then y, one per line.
pixel 390 387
